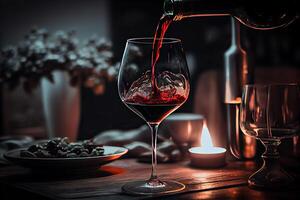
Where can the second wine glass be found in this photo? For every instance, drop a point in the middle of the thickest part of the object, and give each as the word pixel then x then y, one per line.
pixel 153 92
pixel 270 113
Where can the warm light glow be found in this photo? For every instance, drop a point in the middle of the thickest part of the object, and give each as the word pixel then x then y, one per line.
pixel 207 148
pixel 206 140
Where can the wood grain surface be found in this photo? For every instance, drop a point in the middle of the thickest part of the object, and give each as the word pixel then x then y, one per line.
pixel 229 182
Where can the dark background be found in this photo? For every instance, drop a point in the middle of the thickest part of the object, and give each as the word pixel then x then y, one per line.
pixel 205 40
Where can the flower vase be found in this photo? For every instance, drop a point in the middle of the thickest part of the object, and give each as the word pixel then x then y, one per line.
pixel 61 103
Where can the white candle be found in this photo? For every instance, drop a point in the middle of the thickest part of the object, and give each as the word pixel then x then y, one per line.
pixel 207 156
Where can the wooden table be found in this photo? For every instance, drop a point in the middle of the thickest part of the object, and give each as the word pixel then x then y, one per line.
pixel 229 182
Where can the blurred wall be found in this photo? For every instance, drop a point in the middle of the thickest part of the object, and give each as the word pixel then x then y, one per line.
pixel 87 17
pixel 204 40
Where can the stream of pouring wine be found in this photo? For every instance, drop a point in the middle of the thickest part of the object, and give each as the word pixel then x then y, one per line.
pixel 161 29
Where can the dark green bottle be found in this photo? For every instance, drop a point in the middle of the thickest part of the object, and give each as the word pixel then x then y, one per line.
pixel 257 14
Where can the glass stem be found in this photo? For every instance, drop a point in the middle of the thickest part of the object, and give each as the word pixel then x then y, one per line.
pixel 270 175
pixel 154 128
pixel 271 155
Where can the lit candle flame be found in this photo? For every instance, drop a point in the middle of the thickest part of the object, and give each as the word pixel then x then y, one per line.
pixel 206 140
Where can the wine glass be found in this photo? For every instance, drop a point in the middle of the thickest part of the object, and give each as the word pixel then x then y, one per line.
pixel 270 113
pixel 153 91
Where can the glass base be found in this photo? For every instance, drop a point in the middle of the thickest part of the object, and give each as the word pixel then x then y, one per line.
pixel 270 179
pixel 152 188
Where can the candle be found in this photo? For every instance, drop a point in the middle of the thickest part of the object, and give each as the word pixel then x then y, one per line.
pixel 207 155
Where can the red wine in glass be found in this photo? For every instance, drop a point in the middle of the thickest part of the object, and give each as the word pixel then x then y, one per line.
pixel 152 113
pixel 155 110
pixel 154 104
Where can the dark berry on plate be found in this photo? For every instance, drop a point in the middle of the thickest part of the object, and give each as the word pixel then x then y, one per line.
pixel 61 154
pixel 96 153
pixel 42 154
pixel 84 154
pixel 61 148
pixel 34 148
pixel 72 155
pixel 100 149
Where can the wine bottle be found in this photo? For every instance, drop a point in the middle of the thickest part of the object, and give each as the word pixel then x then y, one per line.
pixel 256 14
pixel 237 73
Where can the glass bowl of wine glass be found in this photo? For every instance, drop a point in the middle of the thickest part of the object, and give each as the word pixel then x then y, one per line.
pixel 153 82
pixel 270 113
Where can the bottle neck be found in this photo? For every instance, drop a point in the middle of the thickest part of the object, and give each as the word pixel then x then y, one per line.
pixel 197 8
pixel 235 33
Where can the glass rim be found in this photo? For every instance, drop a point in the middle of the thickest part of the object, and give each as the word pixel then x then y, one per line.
pixel 149 40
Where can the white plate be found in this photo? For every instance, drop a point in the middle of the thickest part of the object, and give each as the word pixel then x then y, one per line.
pixel 111 153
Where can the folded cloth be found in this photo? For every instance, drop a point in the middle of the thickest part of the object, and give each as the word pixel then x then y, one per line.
pixel 12 142
pixel 167 151
pixel 121 137
pixel 137 141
